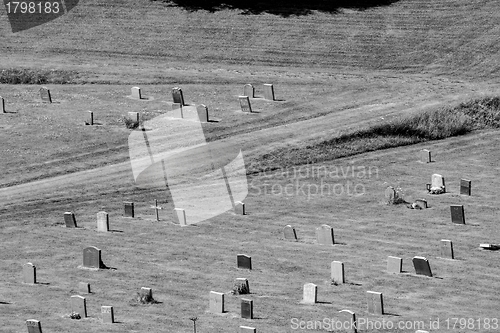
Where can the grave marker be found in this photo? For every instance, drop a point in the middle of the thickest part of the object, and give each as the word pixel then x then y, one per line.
pixel 34 326
pixel 239 208
pixel 134 116
pixel 457 214
pixel 91 118
pixel 337 272
pixel 289 232
pixel 241 286
pixel 394 264
pixel 310 293
pixel 246 308
pixel 45 95
pixel 447 249
pixel 202 113
pixel 324 235
pixel 421 203
pixel 157 209
pixel 69 219
pixel 29 273
pixel 181 216
pixel 2 104
pixel 269 91
pixel 216 302
pixel 425 156
pixel 129 208
pixel 390 194
pixel 79 305
pixel 84 288
pixel 243 261
pixel 492 247
pixel 247 329
pixel 437 181
pixel 422 266
pixel 136 92
pixel 103 222
pixel 146 294
pixel 349 321
pixel 465 186
pixel 177 96
pixel 375 303
pixel 92 258
pixel 245 104
pixel 108 315
pixel 249 91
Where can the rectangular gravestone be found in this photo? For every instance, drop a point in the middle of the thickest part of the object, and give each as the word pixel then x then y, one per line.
pixel 79 305
pixel 457 214
pixel 247 329
pixel 29 273
pixel 202 113
pixel 447 249
pixel 241 286
pixel 69 219
pixel 244 261
pixel 245 104
pixel 249 91
pixel 45 95
pixel 34 326
pixel 239 208
pixel 246 308
pixel 129 208
pixel 177 111
pixel 136 92
pixel 92 257
pixel 134 116
pixel 108 315
pixel 437 181
pixel 103 222
pixel 180 214
pixel 216 302
pixel 422 266
pixel 465 186
pixel 324 235
pixel 394 264
pixel 90 119
pixel 289 233
pixel 310 295
pixel 84 288
pixel 177 96
pixel 269 91
pixel 425 156
pixel 421 203
pixel 348 321
pixel 337 272
pixel 2 105
pixel 375 303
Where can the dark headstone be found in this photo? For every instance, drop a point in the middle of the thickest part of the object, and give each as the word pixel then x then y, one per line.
pixel 244 261
pixel 241 286
pixel 289 232
pixel 269 91
pixel 29 273
pixel 129 209
pixel 45 95
pixel 457 214
pixel 245 104
pixel 349 321
pixel 108 315
pixel 79 305
pixel 447 249
pixel 375 303
pixel 202 113
pixel 422 266
pixel 69 219
pixel 177 96
pixel 249 91
pixel 324 235
pixel 465 186
pixel 34 326
pixel 246 308
pixel 92 258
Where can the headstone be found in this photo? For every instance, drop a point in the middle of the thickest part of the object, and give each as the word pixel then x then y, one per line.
pixel 136 92
pixel 245 104
pixel 2 104
pixel 135 116
pixel 421 203
pixel 146 293
pixel 247 329
pixel 103 221
pixel 289 232
pixel 425 156
pixel 337 272
pixel 177 111
pixel 375 303
pixel 79 305
pixel 324 235
pixel 394 264
pixel 244 261
pixel 246 308
pixel 202 113
pixel 34 326
pixel 92 257
pixel 269 91
pixel 91 118
pixel 157 210
pixel 129 209
pixel 390 194
pixel 69 219
pixel 349 321
pixel 177 96
pixel 241 286
pixel 216 302
pixel 465 186
pixel 84 288
pixel 422 266
pixel 29 273
pixel 447 249
pixel 492 247
pixel 239 208
pixel 457 214
pixel 108 315
pixel 181 216
pixel 45 95
pixel 437 181
pixel 249 91
pixel 310 293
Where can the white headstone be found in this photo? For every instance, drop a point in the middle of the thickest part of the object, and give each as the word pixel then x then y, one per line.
pixel 136 92
pixel 310 293
pixel 103 221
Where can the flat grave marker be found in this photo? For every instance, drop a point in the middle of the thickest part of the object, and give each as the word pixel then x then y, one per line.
pixel 34 326
pixel 239 208
pixel 246 308
pixel 102 222
pixel 202 110
pixel 177 96
pixel 245 104
pixel 243 261
pixel 129 208
pixel 181 216
pixel 92 258
pixel 447 249
pixel 394 264
pixel 108 315
pixel 269 91
pixel 457 214
pixel 29 273
pixel 465 186
pixel 310 295
pixel 247 329
pixel 290 233
pixel 216 302
pixel 69 220
pixel 425 156
pixel 349 321
pixel 492 247
pixel 324 235
pixel 337 272
pixel 79 305
pixel 422 266
pixel 84 288
pixel 136 93
pixel 375 303
pixel 45 95
pixel 249 90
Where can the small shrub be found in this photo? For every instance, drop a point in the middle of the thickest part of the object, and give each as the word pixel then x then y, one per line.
pixel 145 299
pixel 75 315
pixel 130 123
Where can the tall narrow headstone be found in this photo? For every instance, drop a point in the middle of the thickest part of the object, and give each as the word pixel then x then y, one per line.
pixel 244 261
pixel 425 156
pixel 157 210
pixel 437 181
pixel 90 118
pixel 2 105
pixel 79 305
pixel 324 235
pixel 69 220
pixel 202 113
pixel 375 303
pixel 348 321
pixel 92 257
pixel 465 186
pixel 181 216
pixel 310 293
pixel 269 91
pixel 337 272
pixel 247 329
pixel 245 104
pixel 29 273
pixel 45 95
pixel 216 302
pixel 394 264
pixel 178 110
pixel 390 194
pixel 136 92
pixel 239 208
pixel 129 208
pixel 246 308
pixel 108 315
pixel 457 214
pixel 177 96
pixel 134 116
pixel 447 249
pixel 422 266
pixel 249 91
pixel 34 326
pixel 84 288
pixel 289 233
pixel 103 221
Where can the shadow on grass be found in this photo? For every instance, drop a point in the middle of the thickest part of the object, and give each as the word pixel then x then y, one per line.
pixel 284 8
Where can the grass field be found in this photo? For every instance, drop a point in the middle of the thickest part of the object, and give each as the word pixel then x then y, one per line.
pixel 342 75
